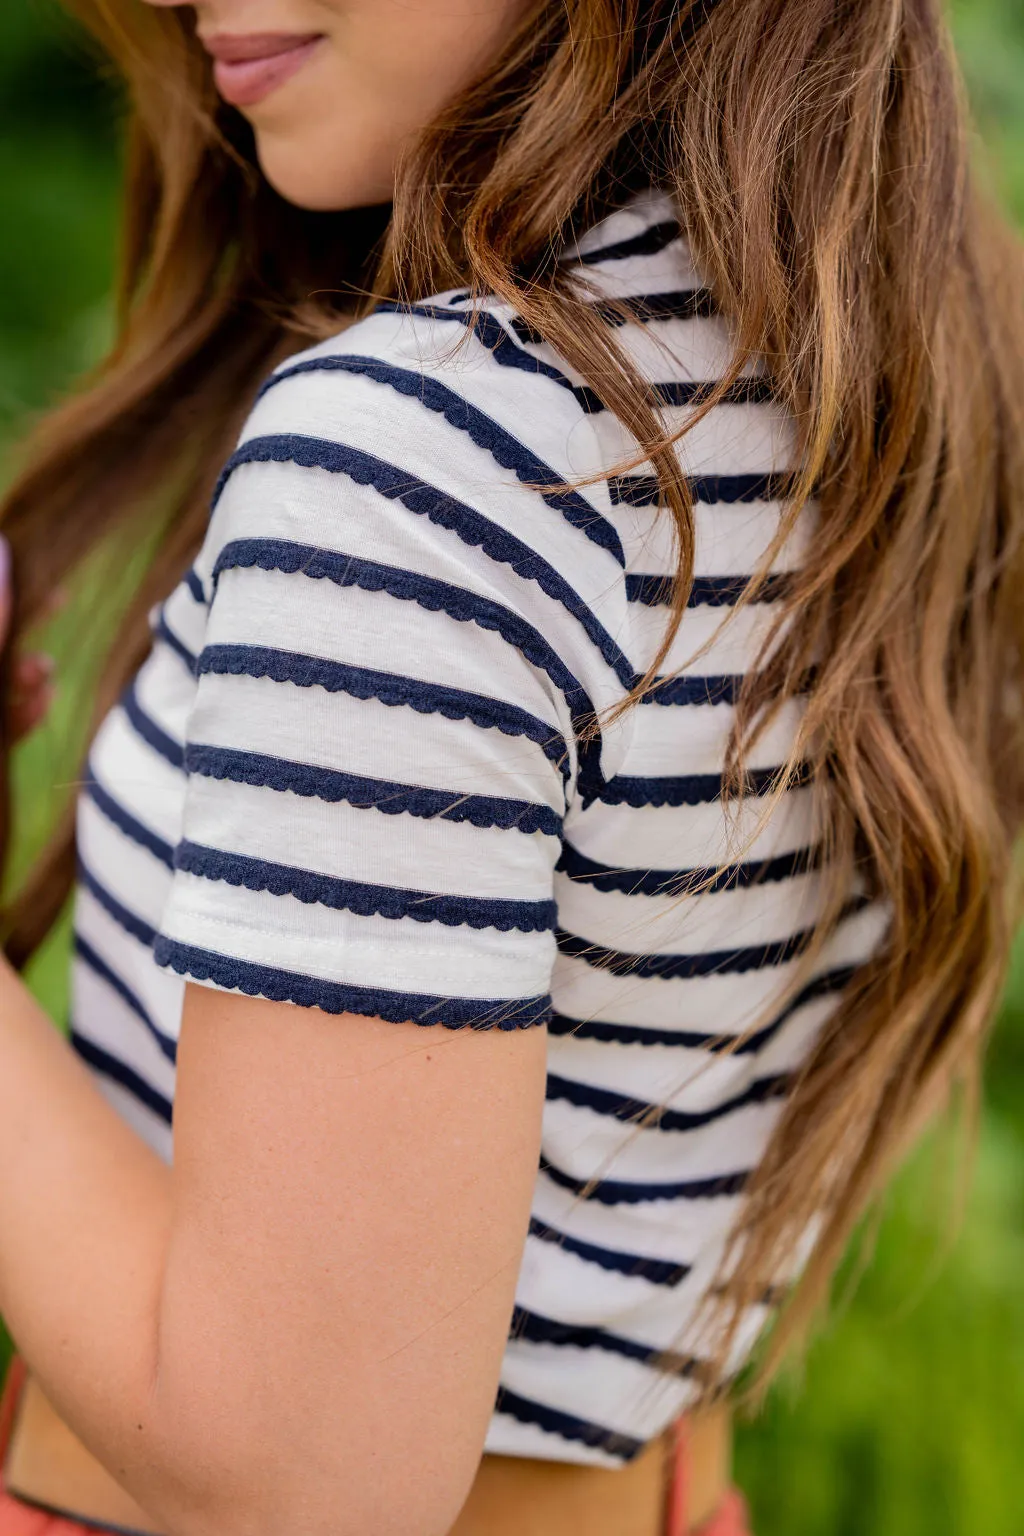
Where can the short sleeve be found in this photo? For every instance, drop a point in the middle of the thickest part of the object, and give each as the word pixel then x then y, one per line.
pixel 381 746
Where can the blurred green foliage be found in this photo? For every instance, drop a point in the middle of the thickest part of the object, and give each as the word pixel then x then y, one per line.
pixel 908 1416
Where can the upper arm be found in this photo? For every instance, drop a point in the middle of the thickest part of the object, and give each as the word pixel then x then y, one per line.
pixel 379 755
pixel 351 1205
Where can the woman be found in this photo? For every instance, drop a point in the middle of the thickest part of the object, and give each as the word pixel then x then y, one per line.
pixel 586 729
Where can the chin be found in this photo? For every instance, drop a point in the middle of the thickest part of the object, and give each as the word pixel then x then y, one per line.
pixel 303 174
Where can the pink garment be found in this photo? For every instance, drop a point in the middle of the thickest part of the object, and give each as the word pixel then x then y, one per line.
pixel 731 1519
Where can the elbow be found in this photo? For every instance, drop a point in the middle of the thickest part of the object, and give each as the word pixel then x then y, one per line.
pixel 233 1481
pixel 317 1506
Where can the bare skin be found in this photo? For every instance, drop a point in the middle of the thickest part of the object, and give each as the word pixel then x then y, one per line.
pixel 376 72
pixel 299 1328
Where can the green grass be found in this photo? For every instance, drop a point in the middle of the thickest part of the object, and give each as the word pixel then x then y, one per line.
pixel 908 1418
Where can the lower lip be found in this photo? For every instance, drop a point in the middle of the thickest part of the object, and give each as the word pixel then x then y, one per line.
pixel 247 81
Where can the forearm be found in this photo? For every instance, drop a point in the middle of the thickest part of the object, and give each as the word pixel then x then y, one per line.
pixel 84 1224
pixel 338 1247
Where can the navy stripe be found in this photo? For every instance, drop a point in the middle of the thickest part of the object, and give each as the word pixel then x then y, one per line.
pixel 364 899
pixel 390 688
pixel 721 962
pixel 630 1111
pixel 344 997
pixel 125 822
pixel 673 304
pixel 829 984
pixel 490 332
pixel 620 1192
pixel 685 882
pixel 743 391
pixel 163 631
pixel 709 490
pixel 680 392
pixel 536 1329
pixel 444 511
pixel 99 967
pixel 503 447
pixel 195 586
pixel 109 1066
pixel 676 304
pixel 457 603
pixel 566 1425
pixel 694 788
pixel 653 239
pixel 382 795
pixel 504 351
pixel 685 690
pixel 129 921
pixel 706 591
pixel 152 734
pixel 634 1266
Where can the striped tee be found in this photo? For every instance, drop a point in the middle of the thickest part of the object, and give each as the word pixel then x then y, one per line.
pixel 352 775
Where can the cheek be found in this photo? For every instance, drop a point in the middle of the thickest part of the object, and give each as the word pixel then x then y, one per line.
pixel 332 136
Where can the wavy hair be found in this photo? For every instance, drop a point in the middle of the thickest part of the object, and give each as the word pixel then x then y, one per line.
pixel 817 153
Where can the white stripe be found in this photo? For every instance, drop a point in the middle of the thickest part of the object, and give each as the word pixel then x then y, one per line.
pixel 317 619
pixel 686 1077
pixel 160 992
pixel 363 845
pixel 106 1021
pixel 371 740
pixel 607 1389
pixel 589 1145
pixel 142 781
pixel 692 836
pixel 717 1004
pixel 399 954
pixel 709 922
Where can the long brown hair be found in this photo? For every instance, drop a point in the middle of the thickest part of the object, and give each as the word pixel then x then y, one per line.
pixel 816 152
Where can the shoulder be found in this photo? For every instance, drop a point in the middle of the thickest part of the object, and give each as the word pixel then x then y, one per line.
pixel 460 396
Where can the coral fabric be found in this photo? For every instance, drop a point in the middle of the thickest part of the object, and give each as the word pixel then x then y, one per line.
pixel 731 1520
pixel 17 1519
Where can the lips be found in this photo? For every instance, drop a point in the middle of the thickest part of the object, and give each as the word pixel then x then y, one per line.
pixel 248 67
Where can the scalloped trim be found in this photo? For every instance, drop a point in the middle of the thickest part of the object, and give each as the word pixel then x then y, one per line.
pixel 682 692
pixel 631 1111
pixel 491 334
pixel 675 967
pixel 693 789
pixel 628 1192
pixel 635 1265
pixel 391 799
pixel 555 1421
pixel 482 430
pixel 675 883
pixel 724 962
pixel 444 511
pixel 431 595
pixel 365 900
pixel 387 688
pixel 335 997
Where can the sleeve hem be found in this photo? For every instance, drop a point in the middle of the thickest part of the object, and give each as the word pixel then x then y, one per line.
pixel 231 974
